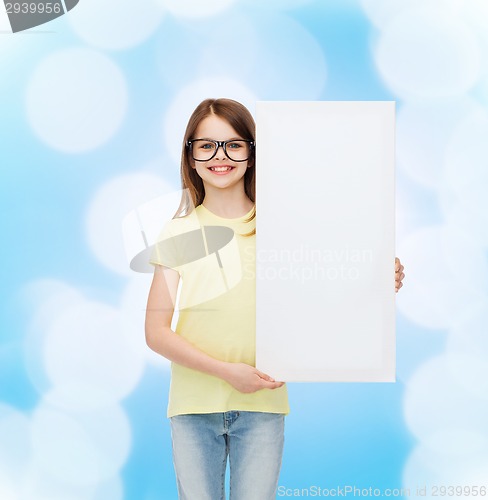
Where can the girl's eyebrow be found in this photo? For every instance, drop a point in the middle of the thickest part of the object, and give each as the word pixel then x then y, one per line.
pixel 209 139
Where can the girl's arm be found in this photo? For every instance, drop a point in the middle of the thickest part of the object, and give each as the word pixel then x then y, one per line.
pixel 161 339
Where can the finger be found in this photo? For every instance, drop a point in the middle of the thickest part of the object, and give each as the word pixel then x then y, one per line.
pixel 277 385
pixel 271 385
pixel 264 376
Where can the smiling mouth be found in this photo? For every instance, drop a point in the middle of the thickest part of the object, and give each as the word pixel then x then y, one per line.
pixel 226 168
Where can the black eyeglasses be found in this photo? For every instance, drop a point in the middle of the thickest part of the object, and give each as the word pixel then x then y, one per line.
pixel 206 149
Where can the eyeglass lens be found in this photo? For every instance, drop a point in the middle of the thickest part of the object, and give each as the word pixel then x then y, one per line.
pixel 204 150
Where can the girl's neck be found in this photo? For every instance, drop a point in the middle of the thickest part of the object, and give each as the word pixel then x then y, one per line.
pixel 227 204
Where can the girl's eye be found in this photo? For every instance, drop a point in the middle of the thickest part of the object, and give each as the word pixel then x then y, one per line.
pixel 207 145
pixel 234 145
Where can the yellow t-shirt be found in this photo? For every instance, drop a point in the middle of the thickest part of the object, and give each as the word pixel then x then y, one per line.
pixel 217 309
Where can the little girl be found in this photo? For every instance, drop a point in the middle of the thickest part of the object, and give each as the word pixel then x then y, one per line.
pixel 220 405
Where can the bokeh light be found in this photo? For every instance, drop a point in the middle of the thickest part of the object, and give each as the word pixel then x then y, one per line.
pixel 467 350
pixel 118 24
pixel 465 160
pixel 440 291
pixel 46 299
pixel 15 448
pixel 280 58
pixel 382 12
pixel 89 343
pixel 424 132
pixel 428 53
pixel 449 457
pixel 76 99
pixel 435 400
pixel 108 207
pixel 94 106
pixel 195 8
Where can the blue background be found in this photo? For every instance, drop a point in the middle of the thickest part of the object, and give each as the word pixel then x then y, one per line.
pixel 88 132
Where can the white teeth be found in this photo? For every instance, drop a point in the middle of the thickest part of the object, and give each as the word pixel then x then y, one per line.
pixel 220 169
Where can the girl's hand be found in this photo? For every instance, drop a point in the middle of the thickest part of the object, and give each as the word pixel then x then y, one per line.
pixel 399 274
pixel 247 379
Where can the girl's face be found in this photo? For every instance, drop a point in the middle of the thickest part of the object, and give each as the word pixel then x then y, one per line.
pixel 220 172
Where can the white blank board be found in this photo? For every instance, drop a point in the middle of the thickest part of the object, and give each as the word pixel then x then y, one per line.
pixel 325 240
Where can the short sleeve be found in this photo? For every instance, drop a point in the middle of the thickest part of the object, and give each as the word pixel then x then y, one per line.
pixel 165 251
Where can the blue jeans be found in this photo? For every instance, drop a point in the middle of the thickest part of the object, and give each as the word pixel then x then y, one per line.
pixel 253 441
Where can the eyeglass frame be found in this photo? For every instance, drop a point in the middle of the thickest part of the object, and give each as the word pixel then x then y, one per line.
pixel 223 145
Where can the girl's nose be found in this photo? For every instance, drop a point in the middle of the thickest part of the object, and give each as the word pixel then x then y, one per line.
pixel 220 154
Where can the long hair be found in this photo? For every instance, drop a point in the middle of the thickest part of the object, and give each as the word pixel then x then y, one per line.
pixel 241 120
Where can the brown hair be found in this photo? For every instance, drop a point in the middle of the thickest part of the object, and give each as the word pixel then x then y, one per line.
pixel 241 120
